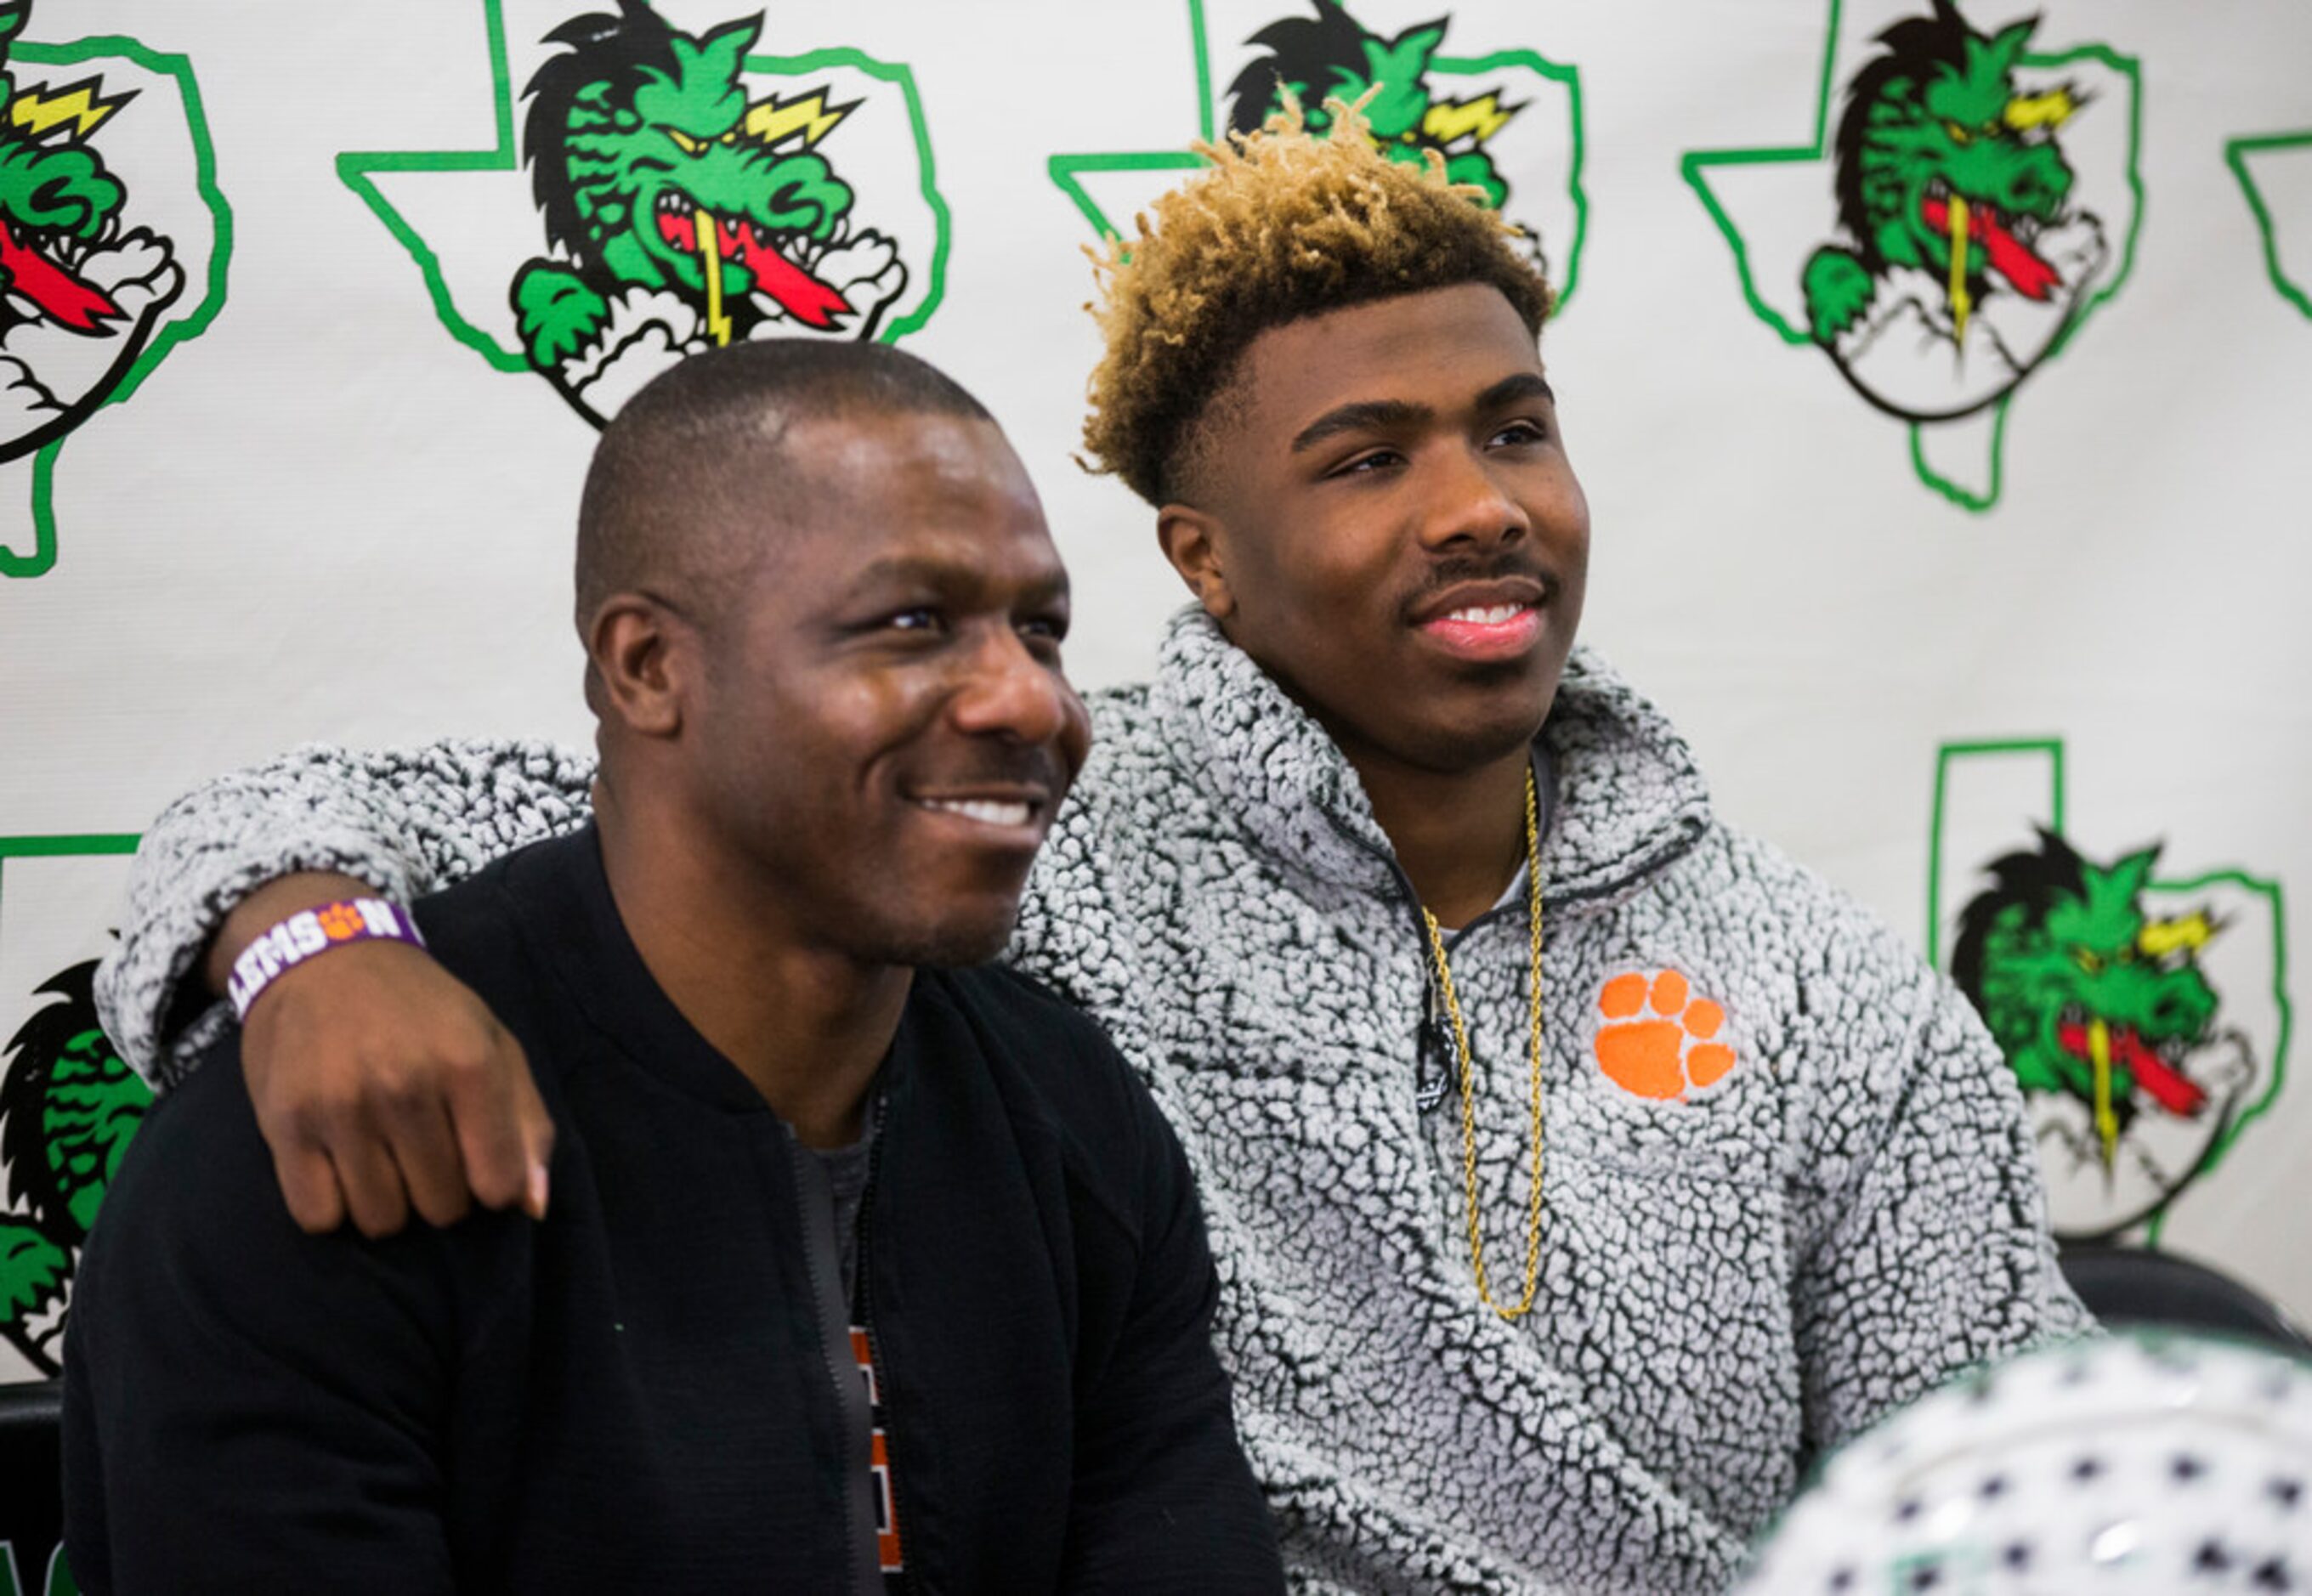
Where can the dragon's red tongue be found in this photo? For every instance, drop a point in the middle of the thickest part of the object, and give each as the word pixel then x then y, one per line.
pixel 806 298
pixel 2166 1086
pixel 803 296
pixel 2009 256
pixel 61 296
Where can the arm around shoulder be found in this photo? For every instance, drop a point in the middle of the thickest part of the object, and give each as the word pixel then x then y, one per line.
pixel 405 821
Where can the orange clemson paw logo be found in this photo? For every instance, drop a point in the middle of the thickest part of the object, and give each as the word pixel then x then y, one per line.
pixel 339 921
pixel 1655 1041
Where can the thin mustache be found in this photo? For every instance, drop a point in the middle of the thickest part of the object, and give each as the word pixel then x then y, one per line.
pixel 1461 568
pixel 1038 768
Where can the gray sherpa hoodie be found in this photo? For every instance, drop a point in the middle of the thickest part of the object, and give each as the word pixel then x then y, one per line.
pixel 1788 1183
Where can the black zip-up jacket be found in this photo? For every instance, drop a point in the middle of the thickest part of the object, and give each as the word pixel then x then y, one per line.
pixel 653 1388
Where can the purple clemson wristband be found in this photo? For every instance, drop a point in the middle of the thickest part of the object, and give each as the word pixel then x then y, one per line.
pixel 311 931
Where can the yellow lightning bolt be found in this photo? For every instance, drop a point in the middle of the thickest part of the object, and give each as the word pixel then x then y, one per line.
pixel 2051 109
pixel 78 108
pixel 2161 938
pixel 2106 1119
pixel 1960 302
pixel 1484 116
pixel 774 120
pixel 709 261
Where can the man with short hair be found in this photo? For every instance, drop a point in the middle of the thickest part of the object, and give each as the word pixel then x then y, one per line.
pixel 864 1269
pixel 1578 1168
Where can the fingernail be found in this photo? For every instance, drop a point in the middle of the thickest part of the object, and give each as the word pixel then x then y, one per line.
pixel 537 1195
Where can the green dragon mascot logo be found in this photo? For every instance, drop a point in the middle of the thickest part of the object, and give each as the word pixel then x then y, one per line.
pixel 1985 201
pixel 2109 1020
pixel 1332 55
pixel 686 214
pixel 689 191
pixel 1507 122
pixel 67 1108
pixel 1956 203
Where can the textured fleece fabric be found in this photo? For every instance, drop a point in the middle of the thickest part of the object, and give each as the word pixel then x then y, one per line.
pixel 1733 1275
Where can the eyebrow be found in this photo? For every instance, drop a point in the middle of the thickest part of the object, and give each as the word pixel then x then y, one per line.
pixel 1375 415
pixel 1368 414
pixel 900 570
pixel 1510 390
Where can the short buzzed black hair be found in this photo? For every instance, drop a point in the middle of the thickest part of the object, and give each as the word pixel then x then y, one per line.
pixel 661 492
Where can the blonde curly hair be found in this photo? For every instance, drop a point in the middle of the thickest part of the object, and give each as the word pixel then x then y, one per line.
pixel 1284 225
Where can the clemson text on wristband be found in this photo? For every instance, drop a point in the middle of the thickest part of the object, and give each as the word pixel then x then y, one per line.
pixel 311 931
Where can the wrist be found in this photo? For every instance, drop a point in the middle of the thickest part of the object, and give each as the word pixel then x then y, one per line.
pixel 268 906
pixel 307 934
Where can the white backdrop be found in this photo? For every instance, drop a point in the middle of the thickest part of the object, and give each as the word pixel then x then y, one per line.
pixel 329 500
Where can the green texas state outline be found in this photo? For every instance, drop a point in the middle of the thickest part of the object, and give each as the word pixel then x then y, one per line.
pixel 2293 280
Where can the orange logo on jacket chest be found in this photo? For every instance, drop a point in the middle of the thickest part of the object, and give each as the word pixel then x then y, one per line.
pixel 1656 1038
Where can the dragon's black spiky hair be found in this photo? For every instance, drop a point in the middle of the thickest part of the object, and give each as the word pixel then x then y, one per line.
pixel 1915 49
pixel 1312 51
pixel 621 48
pixel 624 49
pixel 32 1056
pixel 2035 880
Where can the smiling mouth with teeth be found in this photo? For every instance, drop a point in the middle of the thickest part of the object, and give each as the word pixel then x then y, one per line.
pixel 986 811
pixel 1489 614
pixel 1486 633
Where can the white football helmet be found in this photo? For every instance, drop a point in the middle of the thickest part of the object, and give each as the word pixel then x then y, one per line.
pixel 2145 1463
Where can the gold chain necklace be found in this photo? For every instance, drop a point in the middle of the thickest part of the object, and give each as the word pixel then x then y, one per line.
pixel 1469 1076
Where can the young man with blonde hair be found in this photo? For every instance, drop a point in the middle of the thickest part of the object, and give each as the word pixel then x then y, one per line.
pixel 1577 1167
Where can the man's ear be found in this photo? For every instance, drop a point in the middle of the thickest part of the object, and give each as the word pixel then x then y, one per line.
pixel 639 654
pixel 1191 540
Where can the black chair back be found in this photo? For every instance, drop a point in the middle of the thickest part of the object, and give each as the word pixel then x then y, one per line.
pixel 2131 1286
pixel 31 1482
